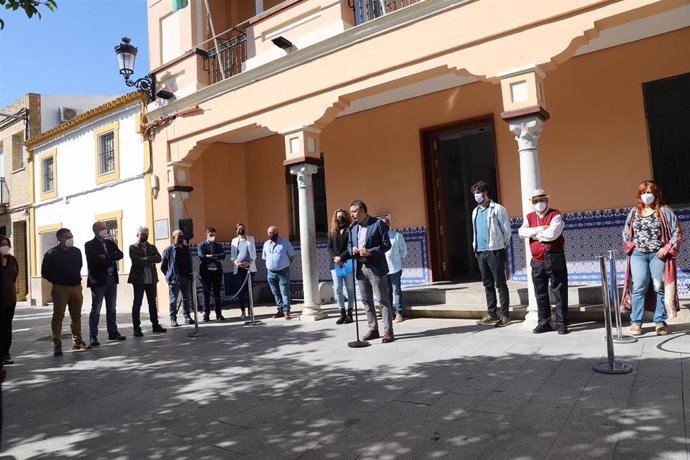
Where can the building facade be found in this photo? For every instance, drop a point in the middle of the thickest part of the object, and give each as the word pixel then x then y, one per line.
pixel 93 167
pixel 282 117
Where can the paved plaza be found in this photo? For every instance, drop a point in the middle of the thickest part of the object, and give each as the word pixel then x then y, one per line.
pixel 445 388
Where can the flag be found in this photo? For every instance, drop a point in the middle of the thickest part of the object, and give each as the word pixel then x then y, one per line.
pixel 179 4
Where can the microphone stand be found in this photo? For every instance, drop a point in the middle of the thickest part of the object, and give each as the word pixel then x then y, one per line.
pixel 357 343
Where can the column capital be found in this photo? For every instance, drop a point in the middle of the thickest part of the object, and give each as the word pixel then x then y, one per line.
pixel 304 171
pixel 527 131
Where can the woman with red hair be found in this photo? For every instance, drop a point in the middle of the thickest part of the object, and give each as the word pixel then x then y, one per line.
pixel 651 238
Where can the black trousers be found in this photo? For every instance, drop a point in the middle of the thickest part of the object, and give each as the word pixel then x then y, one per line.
pixel 542 279
pixel 492 266
pixel 151 293
pixel 213 281
pixel 7 314
pixel 244 294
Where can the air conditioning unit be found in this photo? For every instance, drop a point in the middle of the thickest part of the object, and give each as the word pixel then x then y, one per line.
pixel 65 113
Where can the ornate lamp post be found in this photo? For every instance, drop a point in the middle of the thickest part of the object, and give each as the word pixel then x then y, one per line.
pixel 126 55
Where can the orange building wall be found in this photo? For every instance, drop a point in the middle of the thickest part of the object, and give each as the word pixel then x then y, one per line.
pixel 595 151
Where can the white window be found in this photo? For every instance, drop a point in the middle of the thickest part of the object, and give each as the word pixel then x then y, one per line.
pixel 106 153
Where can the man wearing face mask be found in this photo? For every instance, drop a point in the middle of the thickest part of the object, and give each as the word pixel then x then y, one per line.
pixel 211 271
pixel 544 228
pixel 279 254
pixel 62 268
pixel 101 257
pixel 143 278
pixel 243 255
pixel 176 264
pixel 490 237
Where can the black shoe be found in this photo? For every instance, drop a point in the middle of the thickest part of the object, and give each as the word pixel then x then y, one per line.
pixel 7 359
pixel 542 328
pixel 206 319
pixel 220 318
pixel 189 321
pixel 93 341
pixel 57 350
pixel 159 328
pixel 563 329
pixel 116 336
pixel 173 322
pixel 341 320
pixel 348 318
pixel 138 333
pixel 488 320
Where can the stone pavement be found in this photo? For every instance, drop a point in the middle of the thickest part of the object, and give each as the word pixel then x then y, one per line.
pixel 445 388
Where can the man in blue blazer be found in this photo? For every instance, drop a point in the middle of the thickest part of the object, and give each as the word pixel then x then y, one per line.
pixel 370 241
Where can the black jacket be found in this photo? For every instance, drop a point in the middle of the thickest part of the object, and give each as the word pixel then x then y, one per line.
pixel 143 255
pixel 98 266
pixel 339 244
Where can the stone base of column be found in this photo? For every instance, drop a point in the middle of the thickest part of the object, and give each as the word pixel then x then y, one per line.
pixel 531 319
pixel 312 313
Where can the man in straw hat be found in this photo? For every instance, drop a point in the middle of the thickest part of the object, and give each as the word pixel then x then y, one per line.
pixel 544 228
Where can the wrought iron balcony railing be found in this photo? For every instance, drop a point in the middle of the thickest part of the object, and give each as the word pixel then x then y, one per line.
pixel 366 10
pixel 4 192
pixel 225 59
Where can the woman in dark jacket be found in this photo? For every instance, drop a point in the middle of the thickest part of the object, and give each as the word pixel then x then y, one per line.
pixel 9 270
pixel 341 269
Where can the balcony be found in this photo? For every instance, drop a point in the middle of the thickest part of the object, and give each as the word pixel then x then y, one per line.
pixel 224 55
pixel 366 10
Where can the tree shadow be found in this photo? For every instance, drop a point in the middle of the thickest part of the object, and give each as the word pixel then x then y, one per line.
pixel 293 390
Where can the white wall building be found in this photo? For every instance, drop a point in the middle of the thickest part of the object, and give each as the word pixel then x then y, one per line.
pixel 96 166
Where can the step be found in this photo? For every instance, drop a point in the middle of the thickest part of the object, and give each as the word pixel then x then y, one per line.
pixel 517 312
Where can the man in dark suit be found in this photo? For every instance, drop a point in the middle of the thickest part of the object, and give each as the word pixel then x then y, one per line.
pixel 370 241
pixel 101 257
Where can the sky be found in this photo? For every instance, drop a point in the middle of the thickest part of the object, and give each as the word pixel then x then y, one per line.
pixel 70 50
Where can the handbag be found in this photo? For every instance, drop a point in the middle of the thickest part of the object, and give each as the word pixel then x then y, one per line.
pixel 628 247
pixel 554 260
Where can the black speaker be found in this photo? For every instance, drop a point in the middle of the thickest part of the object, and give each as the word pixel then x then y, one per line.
pixel 187 226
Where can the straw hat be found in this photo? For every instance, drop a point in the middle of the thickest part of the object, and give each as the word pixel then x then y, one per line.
pixel 539 193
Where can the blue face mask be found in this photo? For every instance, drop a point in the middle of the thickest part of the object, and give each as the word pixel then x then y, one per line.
pixel 479 198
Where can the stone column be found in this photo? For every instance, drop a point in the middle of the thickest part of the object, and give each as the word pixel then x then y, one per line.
pixel 527 131
pixel 310 280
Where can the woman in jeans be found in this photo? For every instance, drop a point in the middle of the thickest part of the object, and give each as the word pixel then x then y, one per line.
pixel 651 238
pixel 9 270
pixel 338 241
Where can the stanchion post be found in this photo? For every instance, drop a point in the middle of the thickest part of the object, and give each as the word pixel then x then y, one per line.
pixel 250 288
pixel 196 332
pixel 611 366
pixel 620 338
pixel 356 343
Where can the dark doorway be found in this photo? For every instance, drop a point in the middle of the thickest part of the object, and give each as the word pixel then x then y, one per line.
pixel 667 107
pixel 455 158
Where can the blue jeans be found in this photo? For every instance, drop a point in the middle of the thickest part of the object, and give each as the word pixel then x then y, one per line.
pixel 109 292
pixel 279 281
pixel 348 282
pixel 185 286
pixel 643 266
pixel 395 290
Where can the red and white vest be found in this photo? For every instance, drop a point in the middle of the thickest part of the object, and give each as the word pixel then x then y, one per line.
pixel 536 246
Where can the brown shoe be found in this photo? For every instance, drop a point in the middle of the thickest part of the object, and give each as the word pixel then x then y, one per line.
pixel 279 314
pixel 371 335
pixel 661 329
pixel 80 345
pixel 287 315
pixel 388 337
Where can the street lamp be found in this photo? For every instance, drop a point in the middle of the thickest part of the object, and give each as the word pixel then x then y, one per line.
pixel 126 55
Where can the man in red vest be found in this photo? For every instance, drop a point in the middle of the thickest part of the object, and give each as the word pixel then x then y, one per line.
pixel 544 228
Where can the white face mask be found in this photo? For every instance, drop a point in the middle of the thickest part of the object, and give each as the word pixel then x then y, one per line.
pixel 540 206
pixel 211 239
pixel 69 243
pixel 647 198
pixel 103 233
pixel 4 250
pixel 479 198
